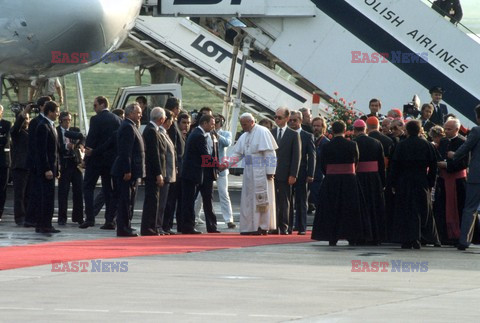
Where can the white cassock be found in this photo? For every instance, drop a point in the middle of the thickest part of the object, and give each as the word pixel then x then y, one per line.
pixel 257 206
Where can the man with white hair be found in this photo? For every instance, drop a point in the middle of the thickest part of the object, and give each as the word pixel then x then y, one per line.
pixel 155 166
pixel 257 148
pixel 451 185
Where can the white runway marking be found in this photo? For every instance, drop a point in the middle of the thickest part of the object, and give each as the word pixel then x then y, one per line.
pixel 80 310
pixel 145 312
pixel 212 314
pixel 21 309
pixel 275 316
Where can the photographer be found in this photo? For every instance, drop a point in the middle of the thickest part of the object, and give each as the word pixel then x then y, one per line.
pixel 20 171
pixel 4 158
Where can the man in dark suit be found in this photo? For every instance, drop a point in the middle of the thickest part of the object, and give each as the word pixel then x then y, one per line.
pixel 305 175
pixel 69 172
pixel 99 161
pixel 155 165
pixel 439 109
pixel 472 199
pixel 47 165
pixel 128 168
pixel 174 205
pixel 288 163
pixel 35 178
pixel 20 172
pixel 192 174
pixel 4 158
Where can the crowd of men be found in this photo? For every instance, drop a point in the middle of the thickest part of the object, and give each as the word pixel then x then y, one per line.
pixel 399 180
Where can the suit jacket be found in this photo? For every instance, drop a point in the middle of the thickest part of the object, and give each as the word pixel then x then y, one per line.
pixel 19 143
pixel 75 137
pixel 472 146
pixel 288 154
pixel 438 117
pixel 5 143
pixel 155 150
pixel 179 143
pixel 47 156
pixel 308 159
pixel 195 150
pixel 32 145
pixel 102 127
pixel 131 152
pixel 387 142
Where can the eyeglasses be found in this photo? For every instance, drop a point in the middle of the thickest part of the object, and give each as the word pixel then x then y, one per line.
pixel 293 120
pixel 278 117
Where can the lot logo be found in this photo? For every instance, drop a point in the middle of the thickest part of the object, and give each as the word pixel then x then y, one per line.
pixel 396 57
pixel 97 266
pixel 202 2
pixel 210 49
pixel 396 266
pixel 79 58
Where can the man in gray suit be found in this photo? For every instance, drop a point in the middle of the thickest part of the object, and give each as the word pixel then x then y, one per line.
pixel 288 163
pixel 472 199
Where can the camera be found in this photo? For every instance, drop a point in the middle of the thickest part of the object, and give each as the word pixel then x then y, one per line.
pixel 409 109
pixel 17 107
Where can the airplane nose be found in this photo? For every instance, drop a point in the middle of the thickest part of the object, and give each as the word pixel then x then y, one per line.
pixel 32 30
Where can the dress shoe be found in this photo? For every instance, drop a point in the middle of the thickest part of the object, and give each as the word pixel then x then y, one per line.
pixel 150 232
pixel 19 221
pixel 461 247
pixel 79 221
pixel 250 233
pixel 213 231
pixel 416 244
pixel 170 232
pixel 48 230
pixel 263 232
pixel 284 233
pixel 193 231
pixel 126 234
pixel 231 225
pixel 86 224
pixel 273 232
pixel 109 226
pixel 37 230
pixel 332 243
pixel 62 222
pixel 301 233
pixel 29 225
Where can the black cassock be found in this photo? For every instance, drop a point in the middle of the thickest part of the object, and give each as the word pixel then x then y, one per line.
pixel 413 172
pixel 339 213
pixel 445 233
pixel 372 184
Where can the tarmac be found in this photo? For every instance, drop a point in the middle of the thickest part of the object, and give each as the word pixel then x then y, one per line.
pixel 307 282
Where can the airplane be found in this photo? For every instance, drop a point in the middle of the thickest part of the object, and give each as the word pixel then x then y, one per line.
pixel 49 38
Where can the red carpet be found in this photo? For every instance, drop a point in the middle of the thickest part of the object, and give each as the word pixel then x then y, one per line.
pixel 45 253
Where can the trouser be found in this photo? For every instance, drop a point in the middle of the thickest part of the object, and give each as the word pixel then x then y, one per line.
pixel 300 198
pixel 150 204
pixel 173 207
pixel 472 201
pixel 206 190
pixel 20 192
pixel 224 196
pixel 4 171
pixel 127 192
pixel 162 203
pixel 34 206
pixel 70 174
pixel 48 203
pixel 188 200
pixel 89 182
pixel 283 194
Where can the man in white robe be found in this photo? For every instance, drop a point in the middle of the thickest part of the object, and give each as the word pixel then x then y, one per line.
pixel 256 146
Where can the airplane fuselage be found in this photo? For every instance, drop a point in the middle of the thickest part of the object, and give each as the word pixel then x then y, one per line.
pixel 34 32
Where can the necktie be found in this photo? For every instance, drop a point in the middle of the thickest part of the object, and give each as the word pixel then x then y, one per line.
pixel 280 134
